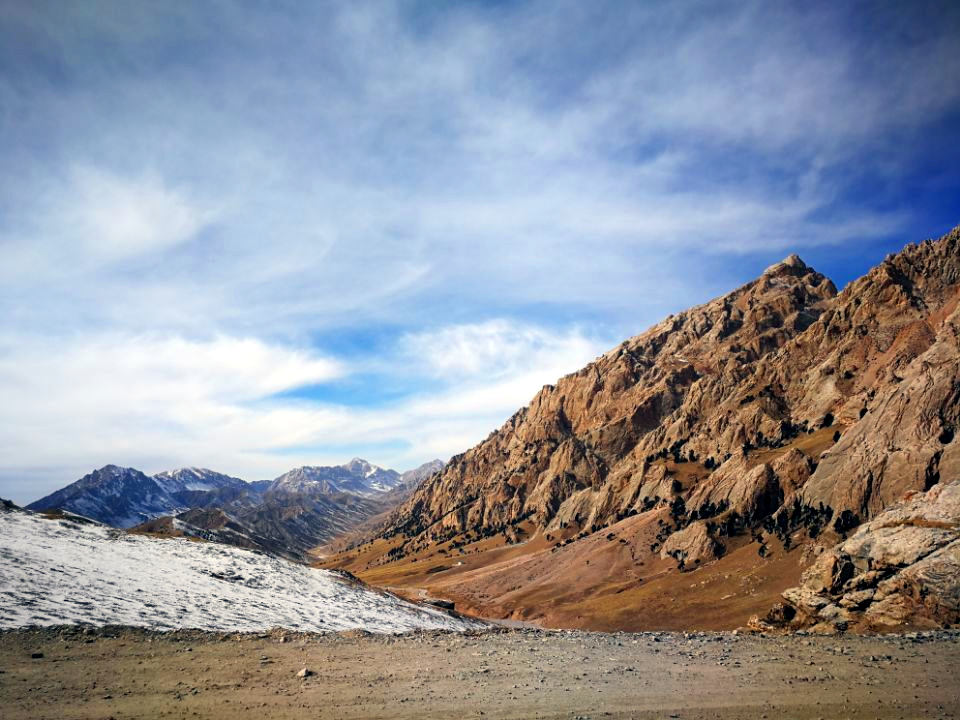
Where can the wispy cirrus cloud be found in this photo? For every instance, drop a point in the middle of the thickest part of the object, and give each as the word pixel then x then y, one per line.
pixel 495 349
pixel 91 219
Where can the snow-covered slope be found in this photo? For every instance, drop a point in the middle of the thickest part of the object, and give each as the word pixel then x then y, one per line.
pixel 63 571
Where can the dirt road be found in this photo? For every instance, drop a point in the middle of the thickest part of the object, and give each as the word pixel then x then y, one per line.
pixel 127 673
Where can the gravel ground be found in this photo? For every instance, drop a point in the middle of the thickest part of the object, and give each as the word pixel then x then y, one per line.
pixel 118 672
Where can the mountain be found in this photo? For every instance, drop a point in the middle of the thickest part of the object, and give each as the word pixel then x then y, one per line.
pixel 736 440
pixel 357 476
pixel 312 506
pixel 60 571
pixel 193 480
pixel 215 525
pixel 124 497
pixel 113 495
pixel 411 479
pixel 287 516
pixel 600 440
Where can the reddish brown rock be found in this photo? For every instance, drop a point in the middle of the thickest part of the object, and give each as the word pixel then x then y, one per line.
pixel 691 546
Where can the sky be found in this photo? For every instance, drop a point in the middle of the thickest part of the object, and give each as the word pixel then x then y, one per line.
pixel 256 235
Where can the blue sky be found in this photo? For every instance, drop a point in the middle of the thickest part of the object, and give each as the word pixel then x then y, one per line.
pixel 255 235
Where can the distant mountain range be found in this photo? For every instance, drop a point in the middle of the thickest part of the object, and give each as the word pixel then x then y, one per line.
pixel 287 516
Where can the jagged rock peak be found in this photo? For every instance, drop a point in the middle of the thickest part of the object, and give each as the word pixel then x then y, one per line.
pixel 790 263
pixel 359 465
pixel 568 454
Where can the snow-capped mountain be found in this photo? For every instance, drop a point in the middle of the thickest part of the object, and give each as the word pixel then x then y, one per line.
pixel 357 476
pixel 66 571
pixel 113 495
pixel 124 497
pixel 195 480
pixel 412 478
pixel 288 516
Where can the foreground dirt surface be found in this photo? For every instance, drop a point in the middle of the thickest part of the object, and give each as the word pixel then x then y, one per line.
pixel 130 673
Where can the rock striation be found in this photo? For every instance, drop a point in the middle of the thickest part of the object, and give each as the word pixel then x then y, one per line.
pixel 752 370
pixel 584 448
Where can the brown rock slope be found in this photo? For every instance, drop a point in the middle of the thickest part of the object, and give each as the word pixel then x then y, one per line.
pixel 776 417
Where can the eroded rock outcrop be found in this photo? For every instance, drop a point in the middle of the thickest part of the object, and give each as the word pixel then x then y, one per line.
pixel 588 448
pixel 902 567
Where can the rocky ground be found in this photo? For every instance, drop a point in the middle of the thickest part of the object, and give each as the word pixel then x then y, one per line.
pixel 73 672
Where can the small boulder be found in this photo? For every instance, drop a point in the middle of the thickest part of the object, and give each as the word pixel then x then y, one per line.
pixel 857 599
pixel 305 673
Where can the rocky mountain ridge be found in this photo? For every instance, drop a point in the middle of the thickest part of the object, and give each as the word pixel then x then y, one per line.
pixel 357 476
pixel 781 414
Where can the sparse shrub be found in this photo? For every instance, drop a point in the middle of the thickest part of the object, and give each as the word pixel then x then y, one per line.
pixel 846 521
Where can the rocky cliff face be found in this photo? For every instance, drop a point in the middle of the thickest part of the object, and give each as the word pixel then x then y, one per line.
pixel 583 449
pixel 782 411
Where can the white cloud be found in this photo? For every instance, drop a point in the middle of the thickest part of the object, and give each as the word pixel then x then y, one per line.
pixel 491 350
pixel 159 402
pixel 111 217
pixel 75 228
pixel 83 400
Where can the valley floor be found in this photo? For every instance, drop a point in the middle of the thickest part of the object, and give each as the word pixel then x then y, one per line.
pixel 132 673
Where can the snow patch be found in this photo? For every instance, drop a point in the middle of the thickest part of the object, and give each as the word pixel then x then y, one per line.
pixel 61 571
